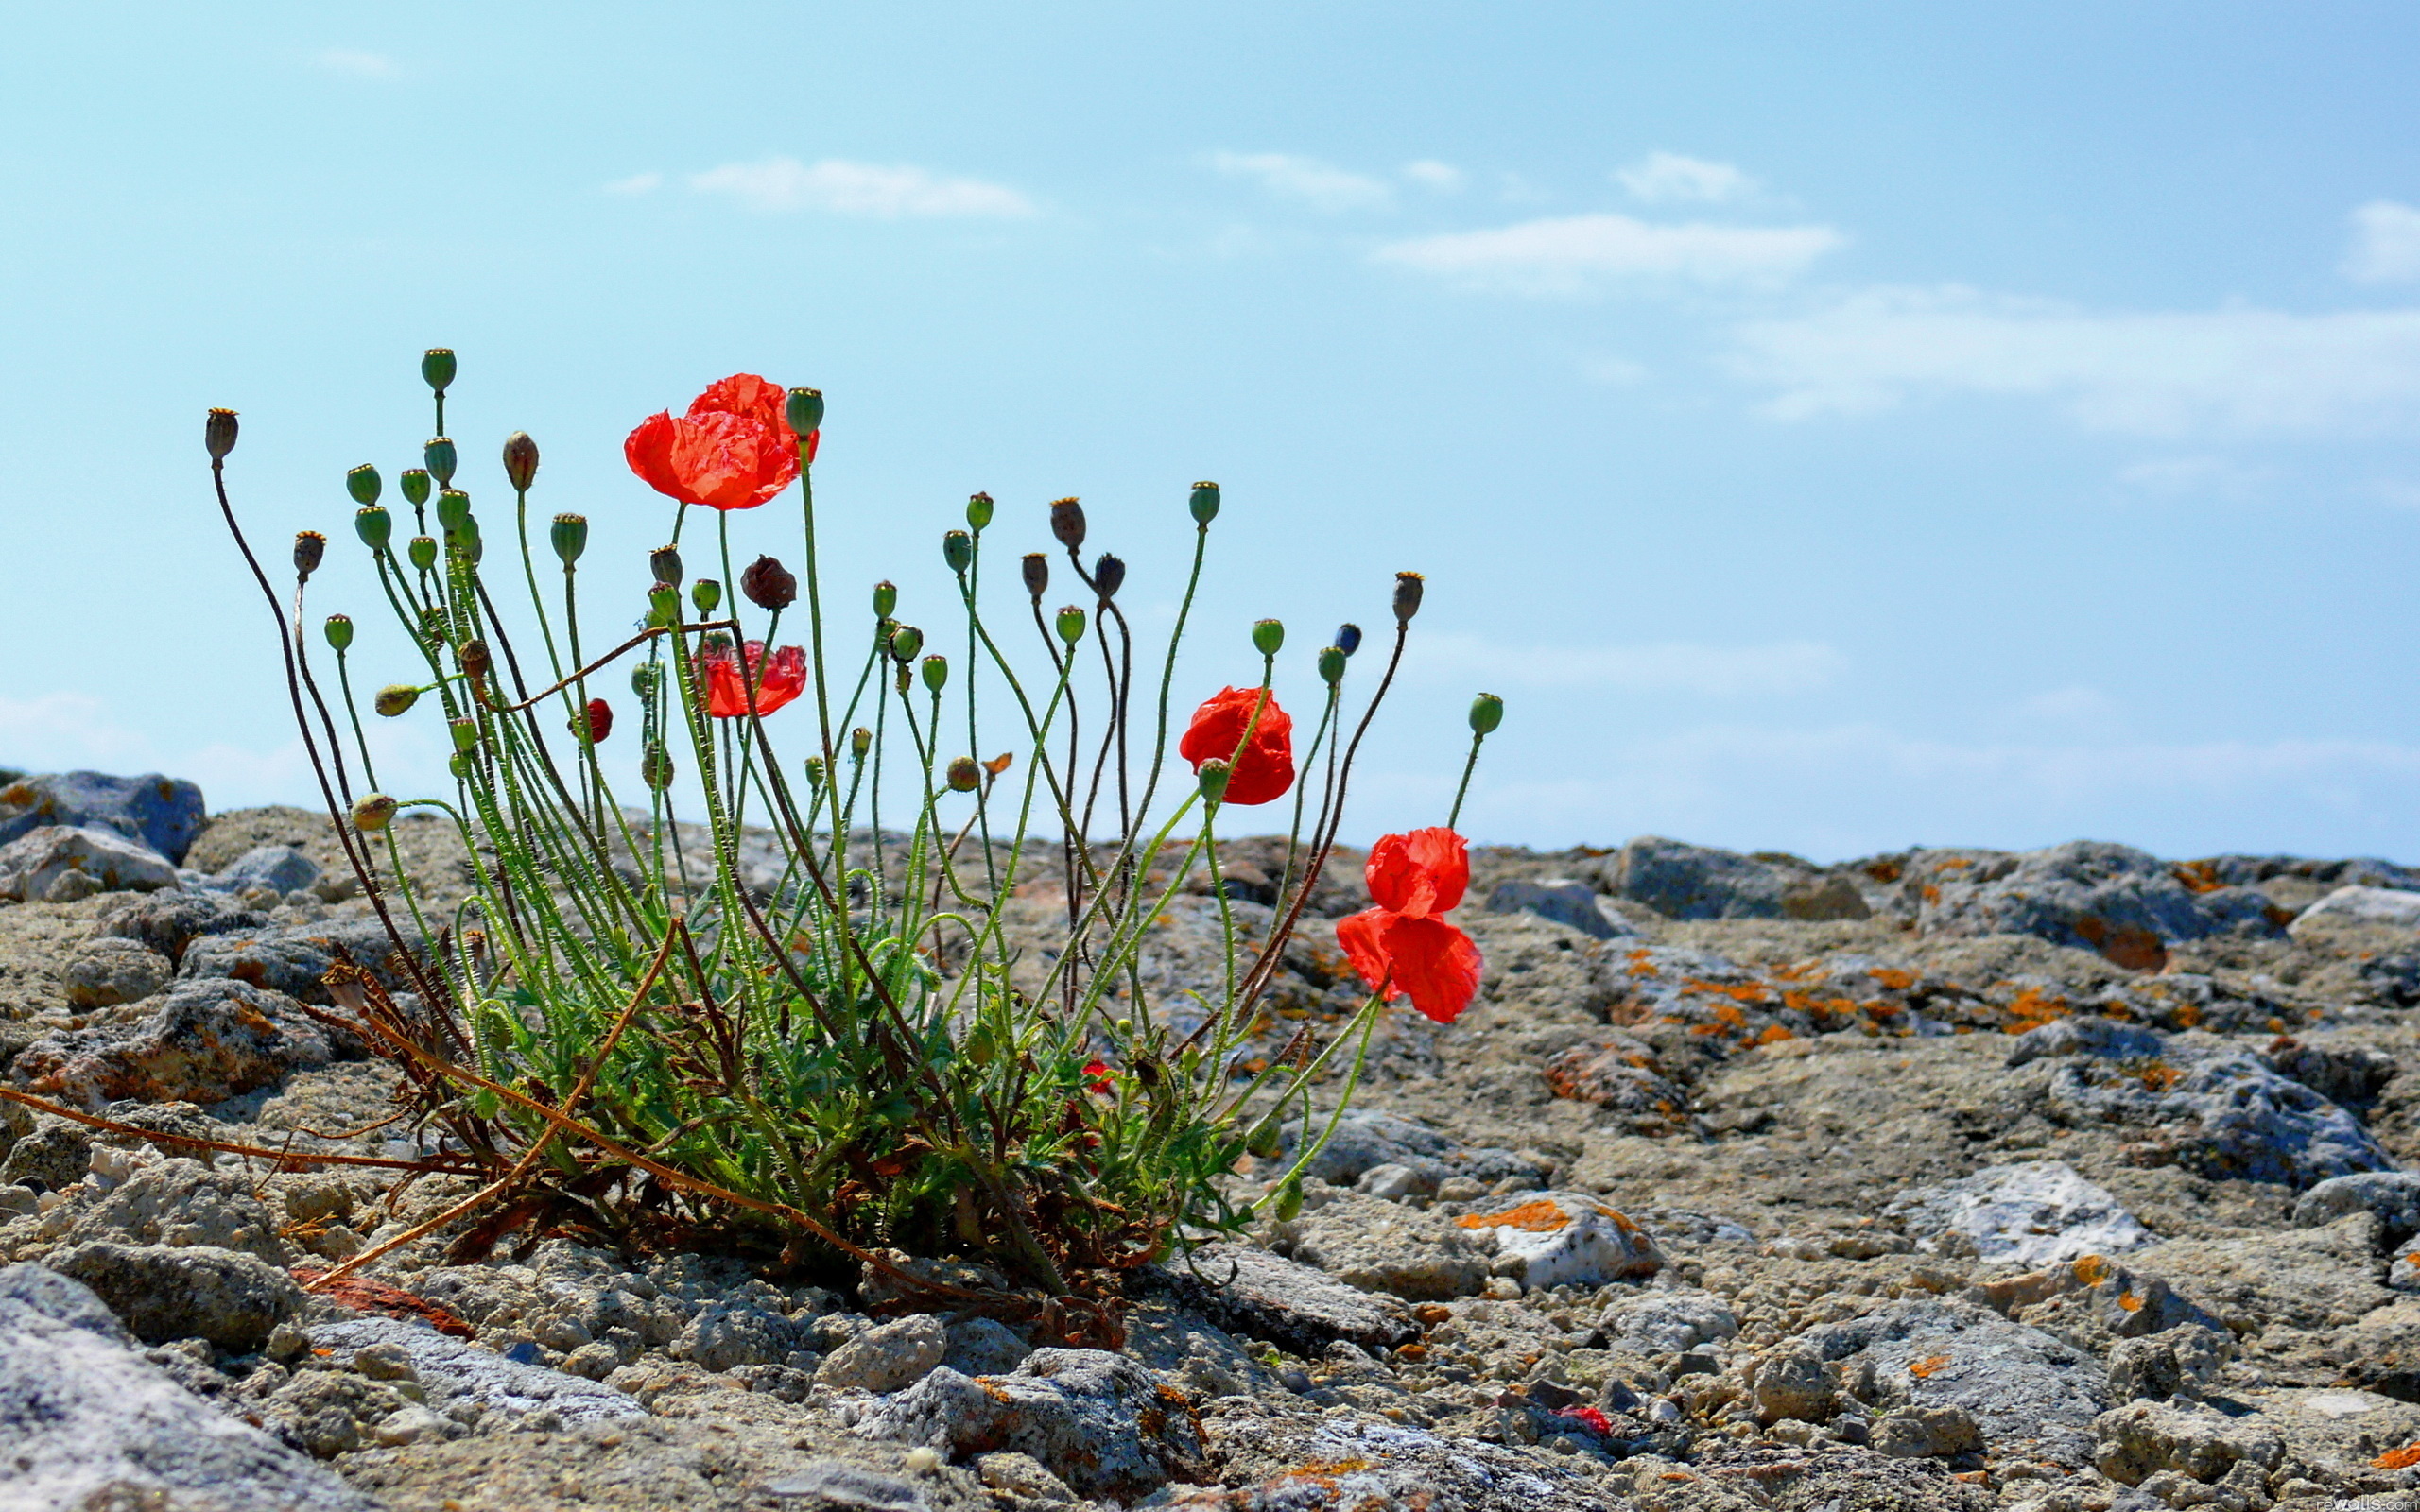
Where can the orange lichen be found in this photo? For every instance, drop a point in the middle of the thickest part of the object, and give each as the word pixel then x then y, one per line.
pixel 1742 991
pixel 2397 1459
pixel 1925 1369
pixel 2091 1270
pixel 1540 1217
pixel 1891 977
pixel 2197 876
pixel 1773 1033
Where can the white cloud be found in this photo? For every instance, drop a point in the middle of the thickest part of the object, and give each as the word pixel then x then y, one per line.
pixel 1659 177
pixel 1567 253
pixel 2233 370
pixel 353 61
pixel 637 183
pixel 858 189
pixel 1439 176
pixel 2386 243
pixel 1712 671
pixel 2183 476
pixel 2069 706
pixel 1308 179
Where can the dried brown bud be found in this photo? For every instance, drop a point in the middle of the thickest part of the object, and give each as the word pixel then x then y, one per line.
pixel 1408 587
pixel 1037 574
pixel 1109 575
pixel 768 584
pixel 476 662
pixel 520 460
pixel 219 434
pixel 1067 523
pixel 665 561
pixel 310 548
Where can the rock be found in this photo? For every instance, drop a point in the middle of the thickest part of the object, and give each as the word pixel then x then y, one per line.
pixel 53 1156
pixel 2393 1195
pixel 1620 1076
pixel 189 1292
pixel 34 866
pixel 726 1337
pixel 2026 1388
pixel 850 1488
pixel 2142 1438
pixel 1287 1461
pixel 1293 1306
pixel 1918 1432
pixel 1566 1239
pixel 1099 1421
pixel 86 1423
pixel 458 1376
pixel 295 959
pixel 2361 906
pixel 1561 900
pixel 1793 1380
pixel 983 1346
pixel 1659 1323
pixel 2112 899
pixel 181 1202
pixel 168 921
pixel 887 1356
pixel 1394 1183
pixel 107 972
pixel 1693 882
pixel 2092 1302
pixel 278 868
pixel 1367 1137
pixel 2181 1361
pixel 209 1040
pixel 163 812
pixel 2034 1213
pixel 1381 1246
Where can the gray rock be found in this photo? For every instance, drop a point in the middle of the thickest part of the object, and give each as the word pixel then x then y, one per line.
pixel 179 1202
pixel 2021 1385
pixel 1793 1380
pixel 2361 906
pixel 2142 1438
pixel 2179 1361
pixel 1694 882
pixel 2393 1195
pixel 1563 1239
pixel 189 1292
pixel 983 1346
pixel 1561 900
pixel 163 812
pixel 34 866
pixel 168 921
pixel 208 1041
pixel 1381 1246
pixel 2126 904
pixel 1299 1309
pixel 1660 1323
pixel 295 959
pixel 1919 1432
pixel 726 1337
pixel 53 1156
pixel 86 1423
pixel 278 868
pixel 104 972
pixel 460 1375
pixel 1099 1421
pixel 2033 1213
pixel 887 1356
pixel 850 1488
pixel 1394 1183
pixel 1283 1460
pixel 1366 1136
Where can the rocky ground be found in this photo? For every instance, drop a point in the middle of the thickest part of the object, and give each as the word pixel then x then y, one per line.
pixel 2062 1179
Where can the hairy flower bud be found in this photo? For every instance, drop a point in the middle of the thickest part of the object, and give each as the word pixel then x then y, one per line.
pixel 310 549
pixel 363 484
pixel 707 594
pixel 662 605
pixel 415 484
pixel 465 539
pixel 594 723
pixel 936 672
pixel 218 434
pixel 453 509
pixel 1109 575
pixel 1288 1205
pixel 965 774
pixel 665 562
pixel 906 642
pixel 655 766
pixel 1332 665
pixel 1204 502
pixel 338 630
pixel 441 459
pixel 1487 711
pixel 860 742
pixel 978 511
pixel 478 661
pixel 1348 638
pixel 957 550
pixel 465 733
pixel 1268 636
pixel 1036 571
pixel 372 812
pixel 804 409
pixel 437 366
pixel 424 552
pixel 1067 523
pixel 1071 624
pixel 395 699
pixel 1407 590
pixel 520 461
pixel 646 679
pixel 1212 776
pixel 569 536
pixel 768 584
pixel 374 526
pixel 814 773
pixel 886 598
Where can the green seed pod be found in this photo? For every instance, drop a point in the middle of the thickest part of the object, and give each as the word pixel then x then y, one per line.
pixel 665 562
pixel 978 512
pixel 374 526
pixel 395 699
pixel 814 773
pixel 707 594
pixel 520 461
pixel 372 812
pixel 662 605
pixel 465 733
pixel 1212 778
pixel 461 765
pixel 886 598
pixel 441 459
pixel 465 539
pixel 218 434
pixel 981 1045
pixel 906 642
pixel 1332 665
pixel 860 742
pixel 424 552
pixel 1071 624
pixel 644 678
pixel 957 550
pixel 310 549
pixel 362 483
pixel 437 366
pixel 338 630
pixel 415 484
pixel 569 536
pixel 936 672
pixel 1487 711
pixel 453 509
pixel 1267 636
pixel 1204 502
pixel 965 774
pixel 1289 1201
pixel 655 766
pixel 805 411
pixel 1408 591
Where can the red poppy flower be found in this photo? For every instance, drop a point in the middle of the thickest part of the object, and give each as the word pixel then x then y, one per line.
pixel 1592 1419
pixel 778 679
pixel 1265 770
pixel 597 718
pixel 1421 873
pixel 1401 947
pixel 1098 1077
pixel 733 450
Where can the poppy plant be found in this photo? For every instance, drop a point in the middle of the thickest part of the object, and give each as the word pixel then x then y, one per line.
pixel 778 679
pixel 733 450
pixel 1264 769
pixel 1401 947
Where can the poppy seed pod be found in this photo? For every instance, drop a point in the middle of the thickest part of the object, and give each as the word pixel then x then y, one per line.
pixel 1407 589
pixel 423 550
pixel 936 672
pixel 520 460
pixel 1487 711
pixel 965 774
pixel 1109 575
pixel 453 509
pixel 218 432
pixel 1331 666
pixel 665 562
pixel 768 584
pixel 1268 636
pixel 569 535
pixel 414 483
pixel 655 766
pixel 363 484
pixel 860 742
pixel 338 630
pixel 1067 523
pixel 957 550
pixel 978 511
pixel 437 366
pixel 466 539
pixel 461 765
pixel 707 594
pixel 1204 502
pixel 465 733
pixel 1348 638
pixel 441 459
pixel 477 661
pixel 906 642
pixel 662 605
pixel 644 678
pixel 1071 624
pixel 373 811
pixel 395 700
pixel 374 526
pixel 1036 568
pixel 886 598
pixel 310 549
pixel 814 772
pixel 804 409
pixel 1212 777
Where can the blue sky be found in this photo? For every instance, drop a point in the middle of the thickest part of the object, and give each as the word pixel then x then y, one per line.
pixel 1831 428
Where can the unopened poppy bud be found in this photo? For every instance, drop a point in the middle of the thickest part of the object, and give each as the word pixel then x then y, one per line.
pixel 1109 575
pixel 374 526
pixel 1268 636
pixel 1071 624
pixel 665 562
pixel 707 594
pixel 978 511
pixel 957 550
pixel 520 460
pixel 338 630
pixel 1332 665
pixel 1487 711
pixel 465 539
pixel 465 733
pixel 424 552
pixel 814 773
pixel 1290 1201
pixel 363 484
pixel 453 509
pixel 461 765
pixel 936 672
pixel 1212 776
pixel 1204 502
pixel 1408 587
pixel 437 366
pixel 218 434
pixel 768 584
pixel 415 485
pixel 1348 638
pixel 805 411
pixel 1037 574
pixel 906 642
pixel 395 699
pixel 477 661
pixel 594 722
pixel 373 811
pixel 860 742
pixel 655 766
pixel 1067 523
pixel 662 605
pixel 569 536
pixel 965 774
pixel 886 598
pixel 1265 1140
pixel 644 678
pixel 441 459
pixel 310 549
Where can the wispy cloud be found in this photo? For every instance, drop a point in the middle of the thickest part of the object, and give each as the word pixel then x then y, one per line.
pixel 1710 671
pixel 355 62
pixel 1663 177
pixel 2231 371
pixel 887 193
pixel 1569 253
pixel 1313 183
pixel 2190 476
pixel 2386 243
pixel 637 183
pixel 1436 175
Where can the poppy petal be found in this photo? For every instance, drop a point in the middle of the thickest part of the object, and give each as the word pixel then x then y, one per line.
pixel 1264 767
pixel 1436 963
pixel 1362 937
